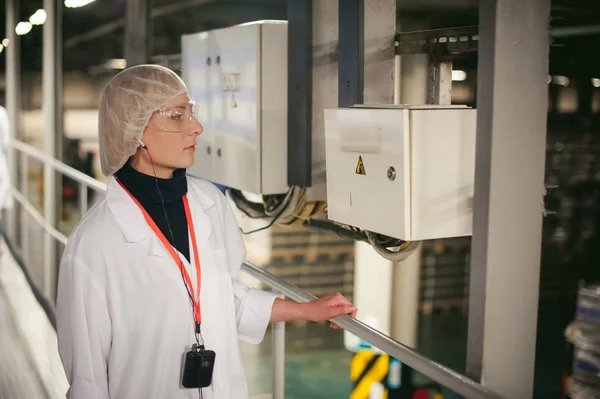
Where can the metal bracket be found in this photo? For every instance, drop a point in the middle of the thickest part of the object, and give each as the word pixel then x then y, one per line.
pixel 439 87
pixel 547 212
pixel 439 42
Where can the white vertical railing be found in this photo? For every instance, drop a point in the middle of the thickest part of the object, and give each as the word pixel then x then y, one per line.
pixel 13 92
pixel 47 220
pixel 23 217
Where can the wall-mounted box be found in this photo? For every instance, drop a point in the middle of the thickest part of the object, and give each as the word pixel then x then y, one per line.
pixel 403 171
pixel 238 78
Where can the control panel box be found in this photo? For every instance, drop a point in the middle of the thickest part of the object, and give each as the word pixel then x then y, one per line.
pixel 403 171
pixel 238 78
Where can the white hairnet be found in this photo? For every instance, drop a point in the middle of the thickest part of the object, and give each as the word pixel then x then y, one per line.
pixel 127 103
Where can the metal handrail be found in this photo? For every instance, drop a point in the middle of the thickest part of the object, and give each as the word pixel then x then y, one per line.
pixel 437 372
pixel 57 165
pixel 38 217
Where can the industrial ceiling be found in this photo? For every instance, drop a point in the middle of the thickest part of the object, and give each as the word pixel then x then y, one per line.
pixel 94 34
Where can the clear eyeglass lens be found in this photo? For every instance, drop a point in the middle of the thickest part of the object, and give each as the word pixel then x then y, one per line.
pixel 178 119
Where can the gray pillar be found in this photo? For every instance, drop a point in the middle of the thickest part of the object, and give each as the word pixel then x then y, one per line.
pixel 412 88
pixel 379 57
pixel 325 29
pixel 413 85
pixel 509 187
pixel 13 100
pixel 52 140
pixel 138 32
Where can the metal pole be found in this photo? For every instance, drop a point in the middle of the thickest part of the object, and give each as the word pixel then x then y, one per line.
pixel 138 33
pixel 83 199
pixel 59 135
pixel 440 80
pixel 509 187
pixel 300 95
pixel 13 99
pixel 278 345
pixel 379 34
pixel 351 62
pixel 24 219
pixel 50 70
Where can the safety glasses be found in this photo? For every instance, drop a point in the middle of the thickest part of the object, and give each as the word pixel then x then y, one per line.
pixel 174 120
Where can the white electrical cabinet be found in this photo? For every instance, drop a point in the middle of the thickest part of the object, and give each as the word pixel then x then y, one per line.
pixel 238 78
pixel 403 171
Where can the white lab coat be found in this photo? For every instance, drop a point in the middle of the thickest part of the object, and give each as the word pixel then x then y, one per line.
pixel 6 200
pixel 124 318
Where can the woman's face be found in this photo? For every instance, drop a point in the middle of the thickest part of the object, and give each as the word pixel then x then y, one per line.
pixel 170 137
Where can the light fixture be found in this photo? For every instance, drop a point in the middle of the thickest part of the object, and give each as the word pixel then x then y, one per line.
pixel 459 76
pixel 561 80
pixel 596 82
pixel 117 63
pixel 5 42
pixel 77 3
pixel 38 18
pixel 23 28
pixel 1 48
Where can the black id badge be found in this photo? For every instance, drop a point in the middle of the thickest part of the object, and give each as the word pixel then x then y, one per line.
pixel 198 367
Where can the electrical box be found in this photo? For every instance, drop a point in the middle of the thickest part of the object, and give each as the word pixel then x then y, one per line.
pixel 238 78
pixel 403 171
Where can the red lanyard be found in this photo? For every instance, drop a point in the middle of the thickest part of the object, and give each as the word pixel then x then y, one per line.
pixel 169 247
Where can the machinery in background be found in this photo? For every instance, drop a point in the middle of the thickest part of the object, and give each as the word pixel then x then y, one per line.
pixel 582 334
pixel 395 175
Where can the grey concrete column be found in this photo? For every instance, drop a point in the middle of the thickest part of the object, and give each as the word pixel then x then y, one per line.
pixel 138 32
pixel 509 185
pixel 52 114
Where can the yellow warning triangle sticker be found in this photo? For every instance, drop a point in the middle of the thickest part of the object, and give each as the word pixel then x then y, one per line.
pixel 360 168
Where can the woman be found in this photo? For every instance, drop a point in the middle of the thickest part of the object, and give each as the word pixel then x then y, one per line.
pixel 131 319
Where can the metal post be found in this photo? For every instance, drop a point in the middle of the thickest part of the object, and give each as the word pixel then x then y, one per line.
pixel 509 187
pixel 379 51
pixel 59 125
pixel 138 32
pixel 13 99
pixel 24 219
pixel 83 199
pixel 50 107
pixel 440 80
pixel 278 345
pixel 351 53
pixel 300 61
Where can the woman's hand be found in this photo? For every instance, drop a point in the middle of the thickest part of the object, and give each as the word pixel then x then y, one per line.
pixel 318 310
pixel 329 307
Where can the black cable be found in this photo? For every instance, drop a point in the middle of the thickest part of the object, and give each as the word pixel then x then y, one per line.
pixel 267 226
pixel 272 202
pixel 198 335
pixel 251 209
pixel 347 232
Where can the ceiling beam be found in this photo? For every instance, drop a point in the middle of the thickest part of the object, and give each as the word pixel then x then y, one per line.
pixel 162 11
pixel 113 26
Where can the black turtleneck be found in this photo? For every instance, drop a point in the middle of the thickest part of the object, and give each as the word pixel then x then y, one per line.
pixel 144 189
